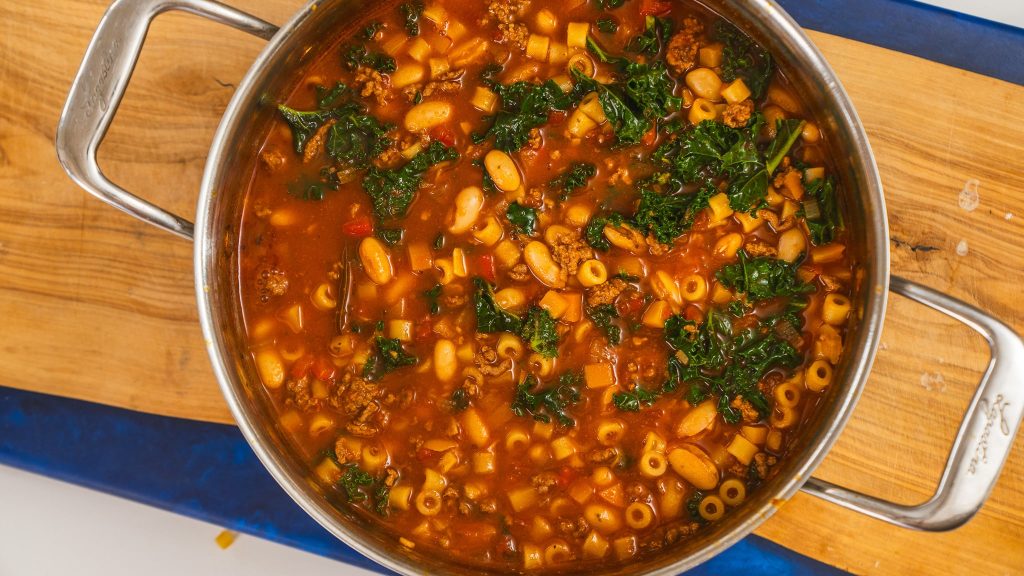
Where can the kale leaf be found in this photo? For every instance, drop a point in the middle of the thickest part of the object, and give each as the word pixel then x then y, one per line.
pixel 743 58
pixel 627 121
pixel 573 179
pixel 607 25
pixel 632 400
pixel 822 211
pixel 411 12
pixel 390 236
pixel 432 295
pixel 663 215
pixel 603 316
pixel 352 481
pixel 370 31
pixel 524 106
pixel 654 37
pixel 304 124
pixel 328 98
pixel 393 190
pixel 545 405
pixel 610 4
pixel 539 332
pixel 523 218
pixel 460 400
pixel 594 231
pixel 489 316
pixel 762 278
pixel 357 55
pixel 786 133
pixel 388 356
pixel 356 138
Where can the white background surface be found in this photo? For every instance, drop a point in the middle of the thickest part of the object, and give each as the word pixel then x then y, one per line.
pixel 52 528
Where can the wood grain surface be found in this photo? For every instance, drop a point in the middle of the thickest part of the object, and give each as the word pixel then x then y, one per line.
pixel 97 306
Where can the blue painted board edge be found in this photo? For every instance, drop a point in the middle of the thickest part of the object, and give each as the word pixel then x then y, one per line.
pixel 207 471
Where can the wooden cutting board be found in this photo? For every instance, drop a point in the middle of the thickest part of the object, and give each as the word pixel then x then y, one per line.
pixel 97 306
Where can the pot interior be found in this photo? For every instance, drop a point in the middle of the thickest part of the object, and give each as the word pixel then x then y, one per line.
pixel 230 165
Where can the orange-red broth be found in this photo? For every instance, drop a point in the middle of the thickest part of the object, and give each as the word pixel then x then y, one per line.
pixel 420 436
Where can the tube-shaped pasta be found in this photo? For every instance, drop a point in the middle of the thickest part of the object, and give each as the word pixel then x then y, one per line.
pixel 399 497
pixel 579 124
pixel 818 376
pixel 319 424
pixel 736 91
pixel 694 288
pixel 711 508
pixel 602 476
pixel 610 432
pixel 719 206
pixel 509 346
pixel 652 464
pixel 445 362
pixel 787 394
pixel 322 298
pixel 557 552
pixel 591 273
pixel 653 442
pixel 484 463
pixel 375 457
pixel 639 515
pixel 742 449
pixel 576 34
pixel 327 471
pixel 428 502
pixel 517 440
pixel 835 309
pixel 540 364
pixel 728 245
pixel 732 491
pixel 490 233
pixel 484 100
pixel 705 84
pixel 755 434
pixel 783 416
pixel 468 203
pixel 602 517
pixel 702 110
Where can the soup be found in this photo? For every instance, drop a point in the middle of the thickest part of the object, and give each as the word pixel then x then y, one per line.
pixel 539 284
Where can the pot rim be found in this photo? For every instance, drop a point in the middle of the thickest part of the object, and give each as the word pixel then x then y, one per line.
pixel 860 354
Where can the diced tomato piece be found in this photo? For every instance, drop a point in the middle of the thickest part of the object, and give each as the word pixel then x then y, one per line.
pixel 424 328
pixel 302 367
pixel 426 455
pixel 565 476
pixel 324 369
pixel 556 117
pixel 443 135
pixel 694 314
pixel 629 304
pixel 487 268
pixel 650 136
pixel 358 227
pixel 654 8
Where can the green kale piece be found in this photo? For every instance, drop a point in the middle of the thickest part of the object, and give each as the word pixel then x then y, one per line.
pixel 743 58
pixel 575 178
pixel 393 190
pixel 545 405
pixel 603 316
pixel 539 332
pixel 762 278
pixel 411 12
pixel 594 231
pixel 523 218
pixel 388 356
pixel 489 316
pixel 822 211
pixel 524 106
pixel 352 482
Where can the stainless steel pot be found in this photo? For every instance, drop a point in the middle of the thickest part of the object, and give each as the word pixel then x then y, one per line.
pixel 978 453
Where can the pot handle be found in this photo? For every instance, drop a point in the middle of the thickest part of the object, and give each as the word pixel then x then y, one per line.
pixel 100 84
pixel 985 437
